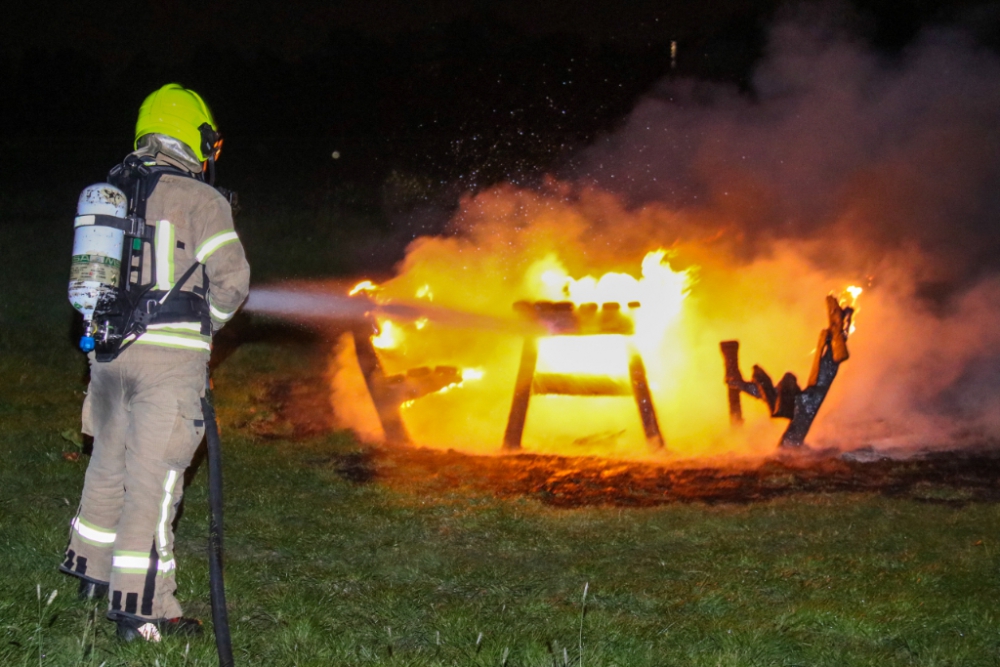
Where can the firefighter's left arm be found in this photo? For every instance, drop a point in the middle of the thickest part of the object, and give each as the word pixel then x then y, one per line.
pixel 226 267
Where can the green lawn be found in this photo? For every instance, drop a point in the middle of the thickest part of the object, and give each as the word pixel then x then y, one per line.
pixel 323 570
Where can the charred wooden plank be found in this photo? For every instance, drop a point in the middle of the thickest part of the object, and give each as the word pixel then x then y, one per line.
pixel 644 400
pixel 787 400
pixel 386 405
pixel 421 381
pixel 563 318
pixel 763 388
pixel 808 402
pixel 579 385
pixel 787 392
pixel 734 379
pixel 522 395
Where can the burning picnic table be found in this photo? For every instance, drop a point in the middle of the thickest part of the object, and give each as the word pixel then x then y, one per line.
pixel 786 400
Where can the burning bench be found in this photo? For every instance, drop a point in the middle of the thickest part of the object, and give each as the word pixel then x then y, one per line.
pixel 787 400
pixel 564 318
pixel 390 392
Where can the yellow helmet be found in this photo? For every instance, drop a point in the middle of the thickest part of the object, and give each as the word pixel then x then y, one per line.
pixel 180 113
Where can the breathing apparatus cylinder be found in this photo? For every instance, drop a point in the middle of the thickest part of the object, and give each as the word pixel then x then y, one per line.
pixel 95 271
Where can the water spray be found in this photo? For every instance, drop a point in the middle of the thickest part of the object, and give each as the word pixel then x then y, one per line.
pixel 314 305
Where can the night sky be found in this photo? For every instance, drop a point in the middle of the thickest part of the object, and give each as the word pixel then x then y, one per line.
pixel 469 93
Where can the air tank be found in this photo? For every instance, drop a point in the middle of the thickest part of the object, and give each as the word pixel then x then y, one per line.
pixel 95 270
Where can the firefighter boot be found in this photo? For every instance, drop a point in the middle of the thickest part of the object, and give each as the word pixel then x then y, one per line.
pixel 130 629
pixel 91 590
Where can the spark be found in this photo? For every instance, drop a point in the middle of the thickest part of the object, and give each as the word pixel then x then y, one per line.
pixel 364 286
pixel 388 336
pixel 472 374
pixel 425 293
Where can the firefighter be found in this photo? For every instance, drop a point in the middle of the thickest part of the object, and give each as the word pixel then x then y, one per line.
pixel 143 405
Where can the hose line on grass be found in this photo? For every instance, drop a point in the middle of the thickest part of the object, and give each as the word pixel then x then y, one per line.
pixel 220 616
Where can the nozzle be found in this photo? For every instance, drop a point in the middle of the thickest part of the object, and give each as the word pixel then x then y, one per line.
pixel 87 343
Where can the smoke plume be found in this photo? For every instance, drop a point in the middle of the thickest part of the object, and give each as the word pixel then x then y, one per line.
pixel 884 167
pixel 840 165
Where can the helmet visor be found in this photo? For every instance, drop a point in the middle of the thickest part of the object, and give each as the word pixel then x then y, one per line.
pixel 211 142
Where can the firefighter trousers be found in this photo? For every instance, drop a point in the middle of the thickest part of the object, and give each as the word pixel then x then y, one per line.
pixel 144 411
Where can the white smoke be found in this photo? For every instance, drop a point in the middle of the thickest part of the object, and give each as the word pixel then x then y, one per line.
pixel 881 166
pixel 840 163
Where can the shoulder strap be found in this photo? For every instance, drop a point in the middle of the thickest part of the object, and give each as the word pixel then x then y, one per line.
pixel 137 177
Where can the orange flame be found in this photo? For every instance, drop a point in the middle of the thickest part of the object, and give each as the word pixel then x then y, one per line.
pixel 519 246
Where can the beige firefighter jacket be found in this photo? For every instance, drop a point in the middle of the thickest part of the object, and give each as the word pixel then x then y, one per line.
pixel 193 223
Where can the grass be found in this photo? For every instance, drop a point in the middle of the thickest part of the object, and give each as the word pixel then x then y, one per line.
pixel 321 570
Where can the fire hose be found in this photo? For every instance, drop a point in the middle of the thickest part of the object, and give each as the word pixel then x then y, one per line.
pixel 220 616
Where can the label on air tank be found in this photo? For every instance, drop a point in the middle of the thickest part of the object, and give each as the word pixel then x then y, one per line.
pixel 95 268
